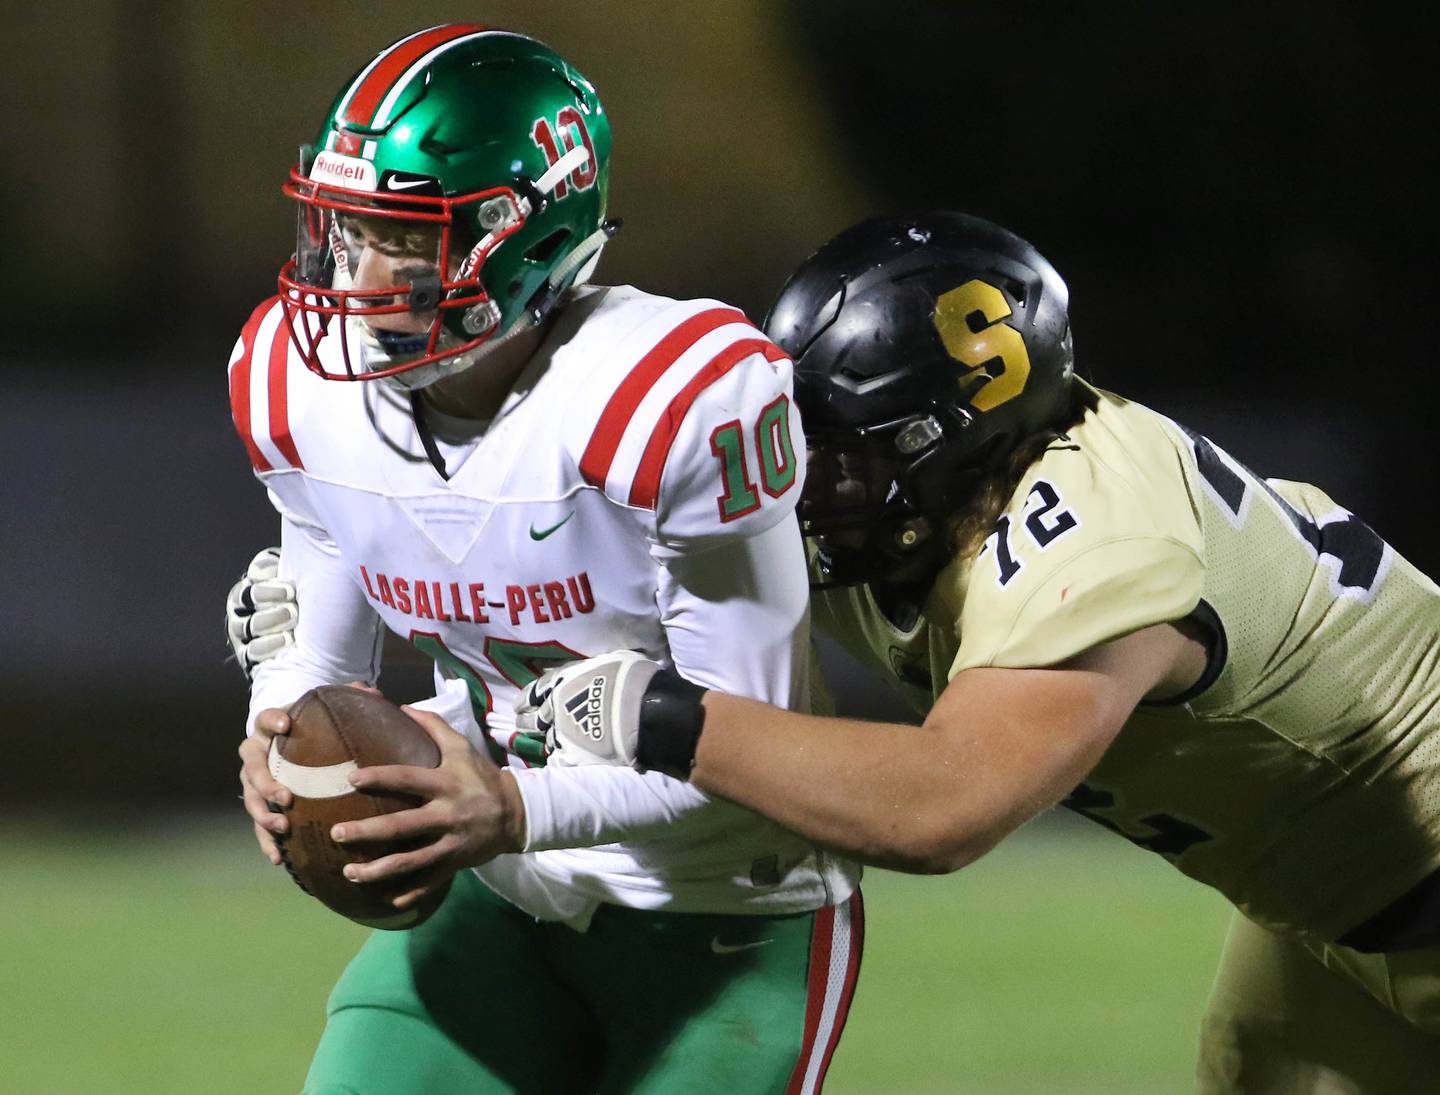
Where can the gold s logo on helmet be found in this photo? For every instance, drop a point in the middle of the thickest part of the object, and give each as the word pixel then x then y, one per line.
pixel 969 320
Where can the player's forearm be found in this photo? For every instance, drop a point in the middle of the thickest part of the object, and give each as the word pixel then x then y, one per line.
pixel 997 749
pixel 337 636
pixel 593 805
pixel 886 794
pixel 753 589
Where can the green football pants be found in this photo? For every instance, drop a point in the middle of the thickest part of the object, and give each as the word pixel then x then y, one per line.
pixel 483 998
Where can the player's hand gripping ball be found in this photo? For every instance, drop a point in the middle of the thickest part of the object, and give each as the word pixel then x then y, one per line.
pixel 333 731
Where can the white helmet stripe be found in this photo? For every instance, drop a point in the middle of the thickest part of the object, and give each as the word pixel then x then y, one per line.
pixel 576 158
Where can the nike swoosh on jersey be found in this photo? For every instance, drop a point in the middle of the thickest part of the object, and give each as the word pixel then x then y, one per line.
pixel 540 534
pixel 717 947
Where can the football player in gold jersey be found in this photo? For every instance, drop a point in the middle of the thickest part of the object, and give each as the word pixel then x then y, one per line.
pixel 1097 607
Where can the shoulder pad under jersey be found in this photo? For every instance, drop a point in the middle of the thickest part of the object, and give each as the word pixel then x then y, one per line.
pixel 1100 539
pixel 260 390
pixel 685 415
pixel 291 420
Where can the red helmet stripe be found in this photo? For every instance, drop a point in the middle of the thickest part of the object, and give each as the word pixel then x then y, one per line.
pixel 367 94
pixel 605 441
pixel 645 491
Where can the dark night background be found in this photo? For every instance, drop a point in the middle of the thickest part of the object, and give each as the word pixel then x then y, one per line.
pixel 1237 194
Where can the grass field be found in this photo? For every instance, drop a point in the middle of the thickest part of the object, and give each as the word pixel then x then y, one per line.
pixel 175 961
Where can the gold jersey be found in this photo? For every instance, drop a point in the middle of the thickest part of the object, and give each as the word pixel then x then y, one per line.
pixel 1301 775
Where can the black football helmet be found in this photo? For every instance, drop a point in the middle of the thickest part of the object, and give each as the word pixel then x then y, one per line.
pixel 926 348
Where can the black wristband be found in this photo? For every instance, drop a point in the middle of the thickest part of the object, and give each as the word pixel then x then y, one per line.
pixel 668 730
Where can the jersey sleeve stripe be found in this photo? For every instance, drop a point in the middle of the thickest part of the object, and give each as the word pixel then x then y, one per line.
pixel 373 85
pixel 278 381
pixel 240 387
pixel 645 490
pixel 610 430
pixel 837 942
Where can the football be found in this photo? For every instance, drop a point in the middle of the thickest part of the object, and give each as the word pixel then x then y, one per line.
pixel 334 730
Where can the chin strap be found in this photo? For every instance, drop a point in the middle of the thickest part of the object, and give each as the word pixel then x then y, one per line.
pixel 544 298
pixel 427 436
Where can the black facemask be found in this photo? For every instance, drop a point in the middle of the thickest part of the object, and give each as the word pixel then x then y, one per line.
pixel 857 512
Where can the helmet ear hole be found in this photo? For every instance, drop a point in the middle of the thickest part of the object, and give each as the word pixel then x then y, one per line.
pixel 546 249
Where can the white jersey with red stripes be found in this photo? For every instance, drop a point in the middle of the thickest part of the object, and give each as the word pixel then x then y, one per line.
pixel 644 439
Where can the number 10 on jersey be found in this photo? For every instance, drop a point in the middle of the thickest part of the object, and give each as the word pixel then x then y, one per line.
pixel 768 441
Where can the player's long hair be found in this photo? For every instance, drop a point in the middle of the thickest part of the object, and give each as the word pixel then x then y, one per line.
pixel 968 527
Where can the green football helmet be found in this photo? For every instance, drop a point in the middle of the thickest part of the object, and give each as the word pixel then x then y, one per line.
pixel 457 188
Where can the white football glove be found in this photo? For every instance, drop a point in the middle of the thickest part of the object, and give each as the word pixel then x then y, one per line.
pixel 260 613
pixel 589 710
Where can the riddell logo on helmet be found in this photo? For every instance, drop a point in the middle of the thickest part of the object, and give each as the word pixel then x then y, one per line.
pixel 347 171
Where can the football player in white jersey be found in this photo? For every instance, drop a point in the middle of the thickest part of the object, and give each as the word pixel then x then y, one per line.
pixel 511 469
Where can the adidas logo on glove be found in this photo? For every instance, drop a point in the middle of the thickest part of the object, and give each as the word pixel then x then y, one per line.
pixel 586 707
